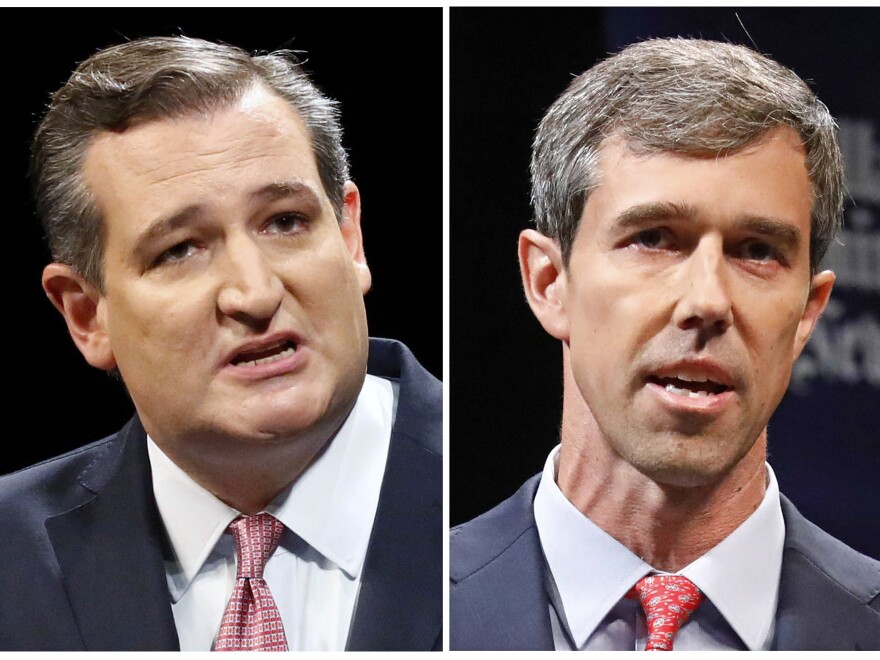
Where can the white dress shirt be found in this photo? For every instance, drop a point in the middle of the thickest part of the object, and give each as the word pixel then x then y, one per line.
pixel 328 514
pixel 591 572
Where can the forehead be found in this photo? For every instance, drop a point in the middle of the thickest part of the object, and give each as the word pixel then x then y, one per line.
pixel 209 159
pixel 768 178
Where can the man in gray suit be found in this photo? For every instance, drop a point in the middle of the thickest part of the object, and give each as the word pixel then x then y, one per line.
pixel 684 193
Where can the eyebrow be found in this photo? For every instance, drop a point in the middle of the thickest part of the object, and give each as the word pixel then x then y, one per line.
pixel 168 224
pixel 269 193
pixel 635 216
pixel 652 212
pixel 781 232
pixel 284 190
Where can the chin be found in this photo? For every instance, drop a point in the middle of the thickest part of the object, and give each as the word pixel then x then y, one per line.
pixel 298 418
pixel 681 476
pixel 688 464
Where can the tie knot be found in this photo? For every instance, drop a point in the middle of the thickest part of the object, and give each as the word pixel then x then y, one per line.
pixel 668 601
pixel 256 537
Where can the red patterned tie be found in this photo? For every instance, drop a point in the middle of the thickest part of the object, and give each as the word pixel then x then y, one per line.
pixel 252 621
pixel 668 601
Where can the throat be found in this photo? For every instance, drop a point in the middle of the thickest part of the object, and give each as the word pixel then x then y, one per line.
pixel 667 526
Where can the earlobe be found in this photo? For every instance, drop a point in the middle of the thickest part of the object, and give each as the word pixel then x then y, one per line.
pixel 544 281
pixel 820 292
pixel 80 304
pixel 351 233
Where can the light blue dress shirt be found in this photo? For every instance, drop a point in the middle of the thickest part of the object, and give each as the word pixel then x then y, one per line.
pixel 591 572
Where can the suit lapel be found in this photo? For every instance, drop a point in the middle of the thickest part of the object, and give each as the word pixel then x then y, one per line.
pixel 498 599
pixel 815 610
pixel 109 549
pixel 516 609
pixel 403 568
pixel 801 614
pixel 400 602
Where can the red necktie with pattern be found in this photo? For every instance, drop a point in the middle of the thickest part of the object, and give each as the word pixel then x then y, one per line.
pixel 668 601
pixel 252 621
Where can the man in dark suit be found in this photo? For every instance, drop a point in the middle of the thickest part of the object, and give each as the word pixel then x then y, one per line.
pixel 684 194
pixel 280 486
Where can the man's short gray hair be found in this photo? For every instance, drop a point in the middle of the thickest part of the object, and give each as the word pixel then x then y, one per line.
pixel 148 80
pixel 684 96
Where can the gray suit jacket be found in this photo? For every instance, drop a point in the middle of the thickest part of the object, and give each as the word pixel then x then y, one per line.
pixel 82 543
pixel 828 592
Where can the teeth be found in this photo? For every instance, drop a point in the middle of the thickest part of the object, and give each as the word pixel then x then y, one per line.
pixel 692 379
pixel 688 393
pixel 271 358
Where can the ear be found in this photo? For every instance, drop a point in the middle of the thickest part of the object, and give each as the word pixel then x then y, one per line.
pixel 544 281
pixel 351 233
pixel 80 304
pixel 820 292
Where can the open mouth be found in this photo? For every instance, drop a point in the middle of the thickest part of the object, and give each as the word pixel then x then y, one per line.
pixel 689 386
pixel 265 355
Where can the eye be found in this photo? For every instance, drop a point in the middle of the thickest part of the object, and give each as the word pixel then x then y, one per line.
pixel 655 238
pixel 177 253
pixel 286 223
pixel 760 251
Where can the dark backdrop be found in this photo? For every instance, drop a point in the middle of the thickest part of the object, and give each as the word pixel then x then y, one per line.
pixel 384 66
pixel 507 67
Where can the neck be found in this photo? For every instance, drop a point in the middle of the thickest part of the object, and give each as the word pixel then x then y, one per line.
pixel 668 526
pixel 246 474
pixel 255 481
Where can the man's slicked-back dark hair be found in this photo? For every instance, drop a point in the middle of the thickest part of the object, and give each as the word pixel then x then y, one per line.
pixel 684 96
pixel 148 80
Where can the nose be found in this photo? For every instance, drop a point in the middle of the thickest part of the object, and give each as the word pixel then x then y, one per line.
pixel 250 290
pixel 704 302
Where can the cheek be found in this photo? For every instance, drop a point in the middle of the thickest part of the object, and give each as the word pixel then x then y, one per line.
pixel 326 286
pixel 780 345
pixel 616 314
pixel 157 331
pixel 599 335
pixel 774 328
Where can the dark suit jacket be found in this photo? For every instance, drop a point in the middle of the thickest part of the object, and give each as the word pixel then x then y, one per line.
pixel 82 543
pixel 828 593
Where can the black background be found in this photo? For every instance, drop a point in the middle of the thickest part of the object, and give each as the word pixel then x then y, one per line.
pixel 507 67
pixel 383 66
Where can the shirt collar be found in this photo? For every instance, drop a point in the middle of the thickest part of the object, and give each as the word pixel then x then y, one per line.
pixel 740 575
pixel 331 506
pixel 192 529
pixel 592 570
